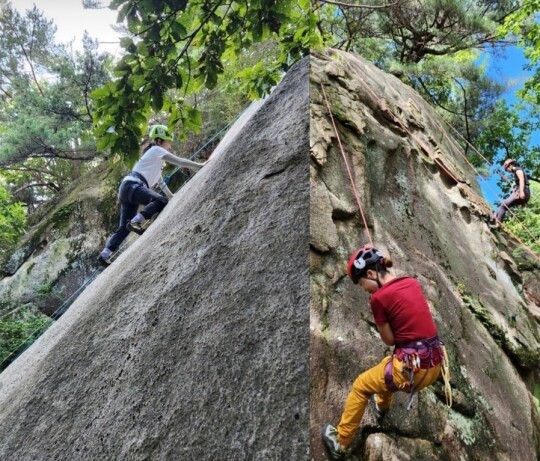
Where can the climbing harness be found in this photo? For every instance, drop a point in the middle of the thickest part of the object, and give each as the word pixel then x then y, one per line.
pixel 135 177
pixel 416 356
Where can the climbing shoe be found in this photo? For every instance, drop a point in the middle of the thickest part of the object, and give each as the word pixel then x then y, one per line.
pixel 135 227
pixel 492 222
pixel 333 448
pixel 104 256
pixel 379 414
pixel 103 262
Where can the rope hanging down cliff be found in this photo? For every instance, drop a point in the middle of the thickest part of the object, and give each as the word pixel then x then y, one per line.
pixel 445 369
pixel 351 179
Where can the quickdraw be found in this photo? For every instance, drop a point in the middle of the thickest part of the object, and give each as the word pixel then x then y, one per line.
pixel 411 362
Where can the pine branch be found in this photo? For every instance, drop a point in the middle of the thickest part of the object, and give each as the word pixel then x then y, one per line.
pixel 366 7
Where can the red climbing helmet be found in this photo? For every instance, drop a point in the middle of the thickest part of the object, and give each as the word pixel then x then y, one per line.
pixel 361 260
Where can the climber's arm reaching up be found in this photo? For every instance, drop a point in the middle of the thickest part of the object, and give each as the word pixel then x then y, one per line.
pixel 182 162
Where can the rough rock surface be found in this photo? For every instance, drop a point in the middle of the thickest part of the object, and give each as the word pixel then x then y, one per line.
pixel 424 209
pixel 59 252
pixel 194 343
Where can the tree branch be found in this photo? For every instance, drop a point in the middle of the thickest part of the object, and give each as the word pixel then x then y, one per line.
pixel 366 7
pixel 49 185
pixel 25 169
pixel 28 60
pixel 7 93
pixel 466 116
pixel 435 101
pixel 42 150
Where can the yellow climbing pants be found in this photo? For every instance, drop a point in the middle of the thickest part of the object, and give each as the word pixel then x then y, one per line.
pixel 371 382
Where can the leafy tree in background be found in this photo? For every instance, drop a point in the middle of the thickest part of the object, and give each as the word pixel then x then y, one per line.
pixel 523 24
pixel 17 331
pixel 180 47
pixel 469 100
pixel 228 99
pixel 527 224
pixel 12 221
pixel 411 30
pixel 54 122
pixel 26 45
pixel 46 112
pixel 220 106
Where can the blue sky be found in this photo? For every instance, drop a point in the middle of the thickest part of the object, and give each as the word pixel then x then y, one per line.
pixel 507 68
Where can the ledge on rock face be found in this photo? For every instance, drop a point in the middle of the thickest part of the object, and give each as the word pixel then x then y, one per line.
pixel 404 166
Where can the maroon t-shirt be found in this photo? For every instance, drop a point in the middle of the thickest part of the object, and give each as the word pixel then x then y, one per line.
pixel 402 304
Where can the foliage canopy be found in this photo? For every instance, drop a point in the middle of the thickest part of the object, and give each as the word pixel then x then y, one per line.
pixel 439 47
pixel 46 113
pixel 179 47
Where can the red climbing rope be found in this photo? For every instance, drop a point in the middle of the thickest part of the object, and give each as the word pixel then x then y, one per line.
pixel 353 186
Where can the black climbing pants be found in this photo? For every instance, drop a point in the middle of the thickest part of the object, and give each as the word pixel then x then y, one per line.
pixel 132 194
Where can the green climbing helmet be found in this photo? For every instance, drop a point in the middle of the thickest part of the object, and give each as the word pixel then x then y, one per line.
pixel 161 132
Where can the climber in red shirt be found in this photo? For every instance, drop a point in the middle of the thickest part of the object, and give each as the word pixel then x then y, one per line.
pixel 401 305
pixel 403 320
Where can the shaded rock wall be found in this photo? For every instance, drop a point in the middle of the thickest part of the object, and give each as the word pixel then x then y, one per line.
pixel 193 344
pixel 59 252
pixel 424 209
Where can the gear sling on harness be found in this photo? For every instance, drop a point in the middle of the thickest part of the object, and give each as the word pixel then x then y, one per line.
pixel 415 356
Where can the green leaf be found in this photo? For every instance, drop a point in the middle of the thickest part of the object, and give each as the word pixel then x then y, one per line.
pixel 193 120
pixel 178 30
pixel 116 3
pixel 106 141
pixel 157 99
pixel 125 64
pixel 257 31
pixel 139 119
pixel 124 11
pixel 101 92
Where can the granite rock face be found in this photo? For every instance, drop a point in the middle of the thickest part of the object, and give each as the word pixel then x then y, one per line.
pixel 58 253
pixel 194 343
pixel 424 209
